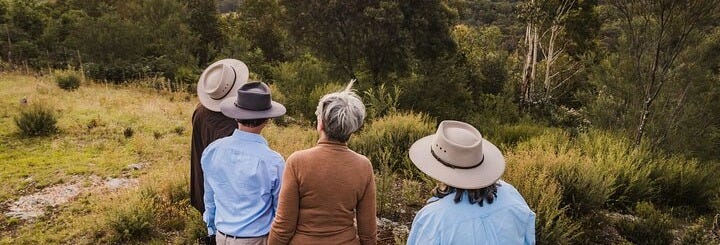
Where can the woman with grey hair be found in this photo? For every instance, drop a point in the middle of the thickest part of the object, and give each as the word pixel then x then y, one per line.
pixel 325 189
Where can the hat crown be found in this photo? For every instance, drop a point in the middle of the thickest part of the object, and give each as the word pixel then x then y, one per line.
pixel 254 96
pixel 219 80
pixel 458 144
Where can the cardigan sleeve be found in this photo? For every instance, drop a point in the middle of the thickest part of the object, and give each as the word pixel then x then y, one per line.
pixel 283 227
pixel 366 212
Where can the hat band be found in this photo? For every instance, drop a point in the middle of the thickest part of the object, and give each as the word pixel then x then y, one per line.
pixel 231 85
pixel 455 166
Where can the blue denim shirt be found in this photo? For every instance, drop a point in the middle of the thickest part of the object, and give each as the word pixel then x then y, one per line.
pixel 508 220
pixel 242 182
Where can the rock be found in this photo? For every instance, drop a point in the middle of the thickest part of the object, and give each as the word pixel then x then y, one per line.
pixel 33 206
pixel 401 231
pixel 136 166
pixel 117 183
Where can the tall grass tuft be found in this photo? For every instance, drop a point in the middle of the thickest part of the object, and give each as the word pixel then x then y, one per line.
pixel 37 120
pixel 392 135
pixel 134 222
pixel 68 80
pixel 543 194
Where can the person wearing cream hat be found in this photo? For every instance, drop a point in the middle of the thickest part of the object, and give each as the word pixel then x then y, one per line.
pixel 219 81
pixel 471 205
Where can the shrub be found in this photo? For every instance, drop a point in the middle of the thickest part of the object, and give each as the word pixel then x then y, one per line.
pixel 179 130
pixel 37 120
pixel 392 135
pixel 134 222
pixel 631 167
pixel 543 194
pixel 381 100
pixel 586 185
pixel 510 134
pixel 682 181
pixel 128 132
pixel 650 227
pixel 68 80
pixel 297 79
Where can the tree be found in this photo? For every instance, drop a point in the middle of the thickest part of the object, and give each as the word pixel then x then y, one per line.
pixel 555 40
pixel 658 32
pixel 381 36
pixel 204 22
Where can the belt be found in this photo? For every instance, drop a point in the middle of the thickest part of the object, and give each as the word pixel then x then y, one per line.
pixel 240 237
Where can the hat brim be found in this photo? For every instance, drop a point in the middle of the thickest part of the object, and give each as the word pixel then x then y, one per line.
pixel 486 174
pixel 228 108
pixel 242 76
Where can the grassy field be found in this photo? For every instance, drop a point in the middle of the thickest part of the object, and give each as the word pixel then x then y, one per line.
pixel 91 145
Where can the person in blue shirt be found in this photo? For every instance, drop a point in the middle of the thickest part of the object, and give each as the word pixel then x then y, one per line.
pixel 242 174
pixel 471 205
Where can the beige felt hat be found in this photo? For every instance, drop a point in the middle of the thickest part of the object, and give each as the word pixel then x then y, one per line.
pixel 458 156
pixel 220 80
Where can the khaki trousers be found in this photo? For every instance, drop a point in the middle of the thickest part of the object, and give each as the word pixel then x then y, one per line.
pixel 221 239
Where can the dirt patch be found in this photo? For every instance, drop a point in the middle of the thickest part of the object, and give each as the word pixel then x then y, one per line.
pixel 35 205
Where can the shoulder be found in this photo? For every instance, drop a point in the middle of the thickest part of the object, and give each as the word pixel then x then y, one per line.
pixel 509 197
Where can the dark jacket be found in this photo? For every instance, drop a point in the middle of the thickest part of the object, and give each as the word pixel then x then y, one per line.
pixel 208 126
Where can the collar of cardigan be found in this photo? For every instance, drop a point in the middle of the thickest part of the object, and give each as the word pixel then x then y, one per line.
pixel 328 142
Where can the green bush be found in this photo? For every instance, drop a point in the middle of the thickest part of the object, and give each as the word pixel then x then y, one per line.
pixel 687 182
pixel 392 135
pixel 134 222
pixel 68 80
pixel 381 100
pixel 614 155
pixel 544 195
pixel 510 134
pixel 649 227
pixel 586 186
pixel 299 78
pixel 37 120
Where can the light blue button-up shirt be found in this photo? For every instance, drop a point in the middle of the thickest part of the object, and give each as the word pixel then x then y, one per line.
pixel 242 182
pixel 508 220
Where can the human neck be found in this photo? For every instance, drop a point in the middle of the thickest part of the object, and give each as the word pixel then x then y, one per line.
pixel 255 130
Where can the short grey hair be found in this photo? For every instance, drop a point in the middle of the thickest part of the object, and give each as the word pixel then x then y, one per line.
pixel 342 113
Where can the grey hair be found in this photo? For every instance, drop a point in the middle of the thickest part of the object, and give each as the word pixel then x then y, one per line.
pixel 341 112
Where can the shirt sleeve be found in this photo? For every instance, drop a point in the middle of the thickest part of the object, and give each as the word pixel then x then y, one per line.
pixel 366 213
pixel 530 231
pixel 283 227
pixel 277 184
pixel 209 196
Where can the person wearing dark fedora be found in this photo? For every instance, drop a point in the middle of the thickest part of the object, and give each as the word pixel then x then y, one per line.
pixel 471 205
pixel 242 174
pixel 216 83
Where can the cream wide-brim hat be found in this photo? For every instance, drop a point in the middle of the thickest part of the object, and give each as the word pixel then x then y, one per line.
pixel 458 156
pixel 221 80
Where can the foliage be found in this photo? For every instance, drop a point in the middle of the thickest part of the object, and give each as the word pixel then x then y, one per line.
pixel 381 101
pixel 134 222
pixel 544 196
pixel 649 227
pixel 386 140
pixel 686 182
pixel 297 80
pixel 381 37
pixel 36 120
pixel 67 80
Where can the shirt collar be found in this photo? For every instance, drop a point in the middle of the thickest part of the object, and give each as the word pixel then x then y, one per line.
pixel 242 135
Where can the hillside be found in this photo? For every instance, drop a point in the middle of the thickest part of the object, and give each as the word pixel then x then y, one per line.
pixel 117 172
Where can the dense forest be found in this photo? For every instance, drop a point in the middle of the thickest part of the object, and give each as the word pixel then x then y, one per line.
pixel 646 68
pixel 626 87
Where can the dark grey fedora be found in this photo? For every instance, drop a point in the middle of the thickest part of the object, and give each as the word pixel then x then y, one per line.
pixel 253 101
